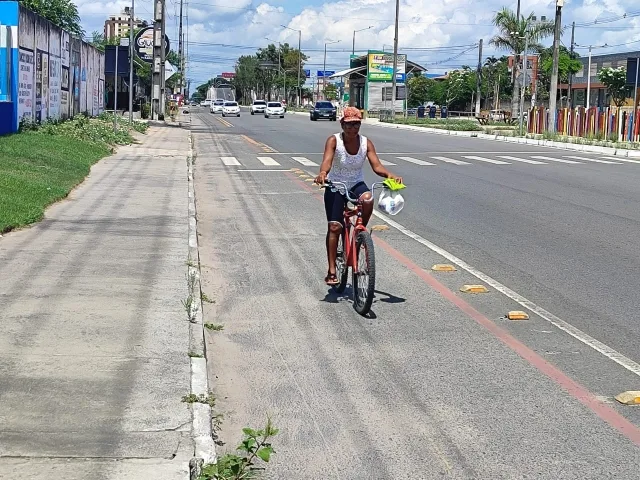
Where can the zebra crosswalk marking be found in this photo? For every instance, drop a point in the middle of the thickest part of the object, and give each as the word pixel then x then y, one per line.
pixel 539 157
pixel 523 160
pixel 451 160
pixel 305 161
pixel 268 161
pixel 488 160
pixel 591 160
pixel 415 160
pixel 230 161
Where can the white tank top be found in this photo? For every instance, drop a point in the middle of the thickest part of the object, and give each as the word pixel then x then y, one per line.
pixel 348 168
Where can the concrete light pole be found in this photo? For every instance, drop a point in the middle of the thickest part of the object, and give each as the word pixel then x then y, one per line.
pixel 353 48
pixel 553 89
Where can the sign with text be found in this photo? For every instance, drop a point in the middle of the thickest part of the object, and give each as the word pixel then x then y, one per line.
pixel 228 75
pixel 380 67
pixel 325 73
pixel 143 44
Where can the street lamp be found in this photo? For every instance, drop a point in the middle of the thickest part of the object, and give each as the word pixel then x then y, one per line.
pixel 589 70
pixel 279 48
pixel 324 68
pixel 299 60
pixel 353 49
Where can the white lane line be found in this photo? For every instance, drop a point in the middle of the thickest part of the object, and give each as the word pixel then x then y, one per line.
pixel 305 161
pixel 523 160
pixel 451 160
pixel 622 159
pixel 539 157
pixel 268 161
pixel 230 161
pixel 388 164
pixel 263 170
pixel 576 333
pixel 482 159
pixel 415 160
pixel 591 160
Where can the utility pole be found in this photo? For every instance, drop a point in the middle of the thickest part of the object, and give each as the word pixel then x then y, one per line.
pixel 163 59
pixel 553 90
pixel 157 75
pixel 395 62
pixel 524 79
pixel 299 67
pixel 479 79
pixel 573 34
pixel 132 56
pixel 115 91
pixel 181 54
pixel 589 80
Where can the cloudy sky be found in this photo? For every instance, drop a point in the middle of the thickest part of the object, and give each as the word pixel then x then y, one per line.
pixel 438 34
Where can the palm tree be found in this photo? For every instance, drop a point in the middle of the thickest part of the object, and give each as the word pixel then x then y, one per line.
pixel 512 38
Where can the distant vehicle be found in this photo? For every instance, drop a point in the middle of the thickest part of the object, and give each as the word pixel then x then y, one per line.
pixel 323 110
pixel 258 106
pixel 206 103
pixel 274 109
pixel 231 108
pixel 216 106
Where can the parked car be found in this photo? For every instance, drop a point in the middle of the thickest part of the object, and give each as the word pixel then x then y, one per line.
pixel 216 106
pixel 258 106
pixel 323 110
pixel 274 109
pixel 231 108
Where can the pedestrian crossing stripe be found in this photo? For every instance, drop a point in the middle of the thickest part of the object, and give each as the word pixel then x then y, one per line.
pixel 305 161
pixel 268 161
pixel 523 160
pixel 451 160
pixel 482 159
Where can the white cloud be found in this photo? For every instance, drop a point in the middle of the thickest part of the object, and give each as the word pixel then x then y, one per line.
pixel 425 24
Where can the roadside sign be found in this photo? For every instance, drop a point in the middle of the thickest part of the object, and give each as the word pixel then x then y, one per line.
pixel 143 44
pixel 307 73
pixel 325 73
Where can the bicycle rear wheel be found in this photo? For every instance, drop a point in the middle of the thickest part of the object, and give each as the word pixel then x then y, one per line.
pixel 342 269
pixel 364 279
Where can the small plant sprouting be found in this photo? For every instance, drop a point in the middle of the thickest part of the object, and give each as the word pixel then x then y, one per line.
pixel 195 355
pixel 255 446
pixel 205 399
pixel 205 298
pixel 187 303
pixel 216 327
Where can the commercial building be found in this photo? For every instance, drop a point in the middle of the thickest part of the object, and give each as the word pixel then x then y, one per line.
pixel 368 80
pixel 118 25
pixel 598 96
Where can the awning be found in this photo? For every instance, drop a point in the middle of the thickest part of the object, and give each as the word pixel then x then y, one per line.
pixel 347 72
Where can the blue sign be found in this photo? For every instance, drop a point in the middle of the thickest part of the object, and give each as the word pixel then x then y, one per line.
pixel 307 73
pixel 326 73
pixel 401 77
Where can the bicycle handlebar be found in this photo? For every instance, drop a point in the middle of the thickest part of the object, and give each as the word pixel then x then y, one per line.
pixel 333 185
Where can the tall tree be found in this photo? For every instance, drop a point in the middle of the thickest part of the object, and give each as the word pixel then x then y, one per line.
pixel 615 79
pixel 511 37
pixel 62 13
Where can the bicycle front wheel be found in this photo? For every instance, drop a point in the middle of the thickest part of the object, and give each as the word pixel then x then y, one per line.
pixel 364 277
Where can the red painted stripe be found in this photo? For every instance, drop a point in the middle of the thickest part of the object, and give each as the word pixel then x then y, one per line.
pixel 584 396
pixel 573 388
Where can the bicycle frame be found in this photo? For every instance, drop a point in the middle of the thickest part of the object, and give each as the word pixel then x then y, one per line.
pixel 351 229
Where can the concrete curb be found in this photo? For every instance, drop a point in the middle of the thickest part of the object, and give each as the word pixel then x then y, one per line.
pixel 620 152
pixel 201 431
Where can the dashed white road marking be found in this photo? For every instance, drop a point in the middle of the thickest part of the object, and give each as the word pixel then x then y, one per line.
pixel 539 157
pixel 229 161
pixel 488 160
pixel 523 160
pixel 268 161
pixel 386 163
pixel 450 160
pixel 628 160
pixel 415 160
pixel 305 161
pixel 591 160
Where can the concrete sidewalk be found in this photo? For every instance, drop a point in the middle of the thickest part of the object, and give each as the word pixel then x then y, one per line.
pixel 94 340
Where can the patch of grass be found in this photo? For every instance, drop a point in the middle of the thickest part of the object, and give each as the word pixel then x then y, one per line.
pixel 205 399
pixel 204 297
pixel 443 124
pixel 216 327
pixel 195 355
pixel 43 163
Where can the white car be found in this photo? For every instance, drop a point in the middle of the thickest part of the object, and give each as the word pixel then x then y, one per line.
pixel 231 108
pixel 258 106
pixel 216 106
pixel 274 109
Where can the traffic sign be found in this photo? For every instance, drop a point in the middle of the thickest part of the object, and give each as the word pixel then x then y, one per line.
pixel 326 73
pixel 307 73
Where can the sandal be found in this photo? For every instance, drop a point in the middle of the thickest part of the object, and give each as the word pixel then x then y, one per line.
pixel 331 279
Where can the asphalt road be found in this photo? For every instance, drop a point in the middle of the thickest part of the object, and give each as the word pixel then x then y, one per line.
pixel 436 383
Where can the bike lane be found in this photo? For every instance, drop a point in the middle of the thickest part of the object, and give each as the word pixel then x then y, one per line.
pixel 424 387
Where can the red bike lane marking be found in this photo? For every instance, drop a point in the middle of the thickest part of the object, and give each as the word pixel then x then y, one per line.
pixel 573 388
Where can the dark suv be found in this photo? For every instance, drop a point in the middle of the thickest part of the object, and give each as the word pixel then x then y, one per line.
pixel 323 110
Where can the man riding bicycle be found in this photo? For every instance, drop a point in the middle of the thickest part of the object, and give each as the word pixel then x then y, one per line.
pixel 343 161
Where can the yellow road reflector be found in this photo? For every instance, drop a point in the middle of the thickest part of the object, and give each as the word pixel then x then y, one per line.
pixel 517 315
pixel 379 228
pixel 474 289
pixel 631 397
pixel 443 267
pixel 309 179
pixel 303 175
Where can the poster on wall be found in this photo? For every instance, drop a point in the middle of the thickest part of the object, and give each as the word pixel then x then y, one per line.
pixel 64 93
pixel 101 95
pixel 44 109
pixel 96 97
pixel 65 49
pixel 38 111
pixel 25 85
pixel 55 67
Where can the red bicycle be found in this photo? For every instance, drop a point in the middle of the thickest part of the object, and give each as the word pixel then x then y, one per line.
pixel 355 251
